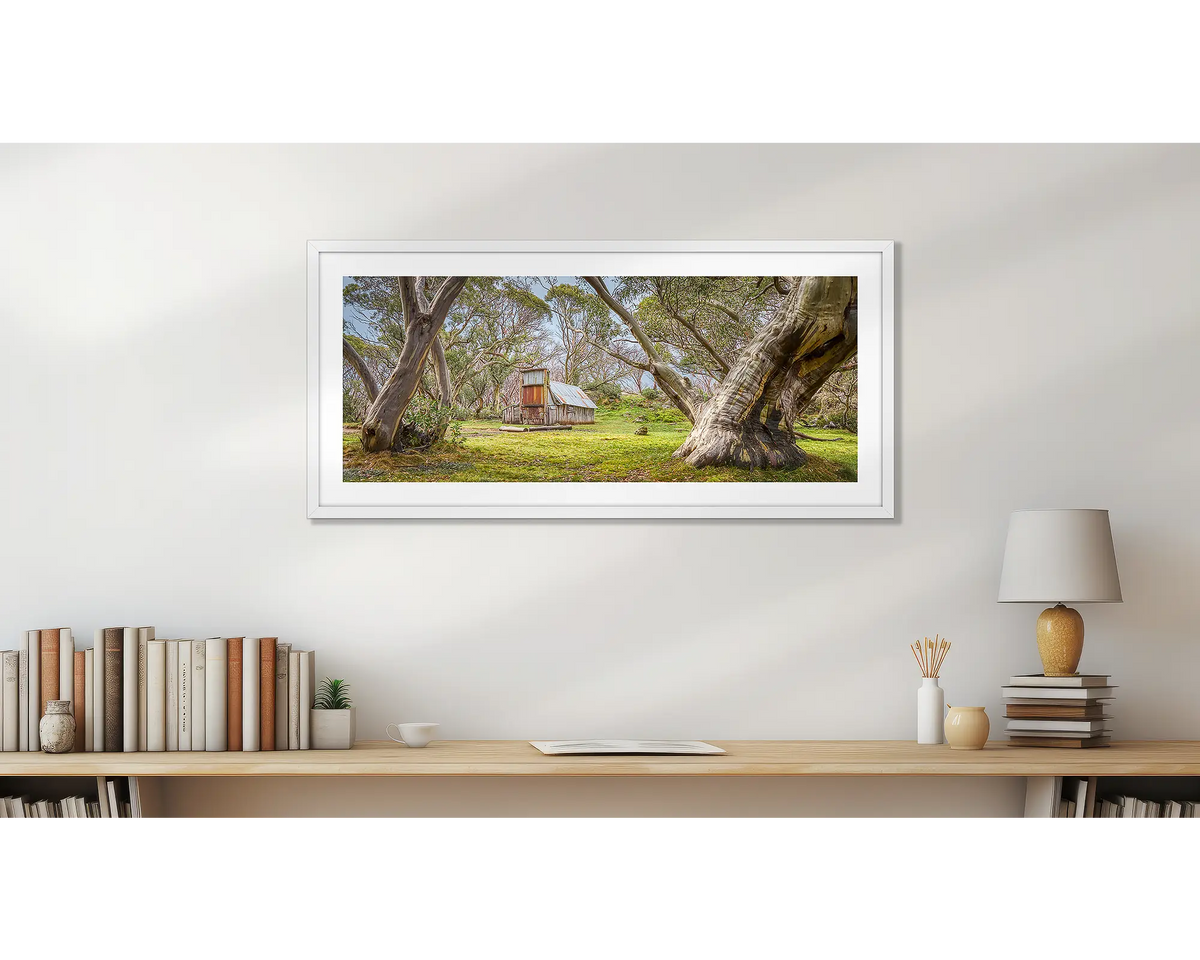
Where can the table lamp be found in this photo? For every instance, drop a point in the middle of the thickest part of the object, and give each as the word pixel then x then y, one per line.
pixel 1059 557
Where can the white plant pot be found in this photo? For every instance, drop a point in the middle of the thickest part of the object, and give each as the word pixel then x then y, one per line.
pixel 332 729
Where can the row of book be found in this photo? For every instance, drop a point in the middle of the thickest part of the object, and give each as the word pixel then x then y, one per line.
pixel 132 692
pixel 1059 711
pixel 1121 806
pixel 1078 797
pixel 117 797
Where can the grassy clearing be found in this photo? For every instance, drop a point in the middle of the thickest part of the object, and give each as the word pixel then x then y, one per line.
pixel 606 451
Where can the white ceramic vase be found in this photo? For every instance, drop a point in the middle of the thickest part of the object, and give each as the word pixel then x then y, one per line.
pixel 57 728
pixel 931 709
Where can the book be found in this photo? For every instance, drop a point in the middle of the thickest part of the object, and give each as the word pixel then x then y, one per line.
pixel 1091 784
pixel 145 635
pixel 135 797
pixel 12 699
pixel 1059 693
pixel 216 728
pixel 250 693
pixel 114 707
pixel 1042 795
pixel 183 690
pixel 156 695
pixel 172 695
pixel 266 648
pixel 98 697
pixel 66 667
pixel 1041 711
pixel 282 665
pixel 89 700
pixel 113 805
pixel 79 700
pixel 690 748
pixel 102 793
pixel 33 741
pixel 1022 741
pixel 129 690
pixel 308 671
pixel 1079 680
pixel 23 692
pixel 49 668
pixel 1103 732
pixel 1062 726
pixel 293 701
pixel 198 695
pixel 233 693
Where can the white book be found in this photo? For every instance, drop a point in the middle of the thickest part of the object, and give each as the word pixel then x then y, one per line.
pixel 129 689
pixel 98 690
pixel 23 693
pixel 1061 734
pixel 135 797
pixel 183 689
pixel 1060 726
pixel 145 635
pixel 172 694
pixel 197 696
pixel 2 691
pixel 156 696
pixel 89 700
pixel 35 690
pixel 293 701
pixel 102 792
pixel 1042 795
pixel 66 668
pixel 12 699
pixel 555 748
pixel 1174 809
pixel 1059 693
pixel 250 716
pixel 113 806
pixel 1041 680
pixel 216 706
pixel 282 663
pixel 308 670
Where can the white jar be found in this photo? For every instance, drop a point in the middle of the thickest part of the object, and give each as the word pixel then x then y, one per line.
pixel 931 703
pixel 57 728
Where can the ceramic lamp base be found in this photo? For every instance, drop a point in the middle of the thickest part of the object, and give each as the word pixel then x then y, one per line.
pixel 1060 640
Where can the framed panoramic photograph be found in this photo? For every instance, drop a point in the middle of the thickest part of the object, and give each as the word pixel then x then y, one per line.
pixel 677 379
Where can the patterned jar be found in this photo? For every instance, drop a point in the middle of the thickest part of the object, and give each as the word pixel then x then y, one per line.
pixel 57 729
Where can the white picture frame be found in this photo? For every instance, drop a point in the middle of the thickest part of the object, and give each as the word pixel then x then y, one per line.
pixel 872 496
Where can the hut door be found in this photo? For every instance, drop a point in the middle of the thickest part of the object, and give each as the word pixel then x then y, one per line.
pixel 532 395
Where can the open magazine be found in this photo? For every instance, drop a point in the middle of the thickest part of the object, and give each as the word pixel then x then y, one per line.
pixel 671 747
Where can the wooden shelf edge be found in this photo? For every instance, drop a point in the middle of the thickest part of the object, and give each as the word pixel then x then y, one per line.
pixel 744 758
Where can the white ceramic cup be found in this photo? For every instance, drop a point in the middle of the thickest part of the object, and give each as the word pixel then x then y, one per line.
pixel 412 734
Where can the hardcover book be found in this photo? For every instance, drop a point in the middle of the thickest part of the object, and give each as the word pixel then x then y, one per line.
pixel 114 707
pixel 89 700
pixel 198 695
pixel 215 696
pixel 66 666
pixel 12 699
pixel 156 695
pixel 233 693
pixel 1041 680
pixel 23 693
pixel 293 700
pixel 98 697
pixel 1059 693
pixel 172 695
pixel 266 650
pixel 145 635
pixel 1059 741
pixel 250 694
pixel 282 665
pixel 49 669
pixel 183 686
pixel 308 671
pixel 79 700
pixel 33 697
pixel 1051 711
pixel 129 690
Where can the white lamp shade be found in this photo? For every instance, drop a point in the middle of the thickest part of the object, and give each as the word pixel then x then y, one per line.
pixel 1059 556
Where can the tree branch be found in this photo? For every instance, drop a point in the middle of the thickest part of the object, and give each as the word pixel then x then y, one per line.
pixel 354 358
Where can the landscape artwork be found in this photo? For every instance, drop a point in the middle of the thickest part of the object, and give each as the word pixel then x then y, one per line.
pixel 577 383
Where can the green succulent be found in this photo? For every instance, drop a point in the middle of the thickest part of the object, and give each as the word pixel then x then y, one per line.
pixel 333 695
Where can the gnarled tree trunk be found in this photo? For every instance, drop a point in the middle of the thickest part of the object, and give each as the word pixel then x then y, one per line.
pixel 422 322
pixel 778 372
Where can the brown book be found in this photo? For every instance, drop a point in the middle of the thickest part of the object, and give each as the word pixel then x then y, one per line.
pixel 80 699
pixel 1014 741
pixel 50 666
pixel 266 697
pixel 114 705
pixel 1024 711
pixel 233 690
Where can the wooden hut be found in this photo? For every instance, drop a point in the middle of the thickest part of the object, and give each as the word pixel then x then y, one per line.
pixel 546 402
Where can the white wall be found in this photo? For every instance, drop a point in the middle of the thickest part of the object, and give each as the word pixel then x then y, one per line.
pixel 152 402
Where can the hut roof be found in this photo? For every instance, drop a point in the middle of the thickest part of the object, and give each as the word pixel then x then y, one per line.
pixel 568 395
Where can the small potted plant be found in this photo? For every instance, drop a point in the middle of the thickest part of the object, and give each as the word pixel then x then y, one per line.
pixel 332 717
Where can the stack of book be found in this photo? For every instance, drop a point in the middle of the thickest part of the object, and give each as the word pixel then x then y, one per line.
pixel 1058 711
pixel 132 692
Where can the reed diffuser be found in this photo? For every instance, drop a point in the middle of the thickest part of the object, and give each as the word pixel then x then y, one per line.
pixel 931 701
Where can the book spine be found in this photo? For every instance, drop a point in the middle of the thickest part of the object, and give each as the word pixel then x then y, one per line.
pixel 266 653
pixel 199 695
pixel 98 697
pixel 216 699
pixel 66 668
pixel 49 669
pixel 233 693
pixel 80 701
pixel 114 709
pixel 12 699
pixel 293 700
pixel 89 700
pixel 172 694
pixel 23 693
pixel 250 694
pixel 129 690
pixel 156 696
pixel 184 687
pixel 145 635
pixel 282 652
pixel 307 672
pixel 33 742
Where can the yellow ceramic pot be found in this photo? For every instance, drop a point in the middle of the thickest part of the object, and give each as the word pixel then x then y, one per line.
pixel 967 728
